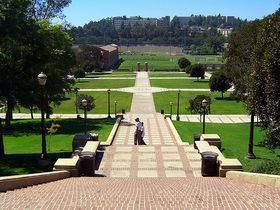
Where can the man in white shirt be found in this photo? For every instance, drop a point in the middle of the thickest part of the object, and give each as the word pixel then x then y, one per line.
pixel 138 132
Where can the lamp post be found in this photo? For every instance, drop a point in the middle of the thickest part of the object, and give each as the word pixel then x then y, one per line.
pixel 109 115
pixel 42 80
pixel 2 150
pixel 250 153
pixel 171 104
pixel 85 103
pixel 178 106
pixel 204 105
pixel 116 109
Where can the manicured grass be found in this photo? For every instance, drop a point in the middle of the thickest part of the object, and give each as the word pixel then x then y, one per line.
pixel 164 61
pixel 23 143
pixel 180 83
pixel 218 106
pixel 234 141
pixel 113 74
pixel 101 103
pixel 168 74
pixel 104 84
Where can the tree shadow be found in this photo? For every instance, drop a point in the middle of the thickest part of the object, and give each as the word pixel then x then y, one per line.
pixel 67 126
pixel 82 81
pixel 227 98
pixel 14 164
pixel 201 81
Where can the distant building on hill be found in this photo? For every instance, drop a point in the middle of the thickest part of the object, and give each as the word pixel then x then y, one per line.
pixel 110 56
pixel 118 22
pixel 225 31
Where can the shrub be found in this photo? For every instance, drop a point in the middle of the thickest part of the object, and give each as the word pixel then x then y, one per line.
pixel 267 167
pixel 197 70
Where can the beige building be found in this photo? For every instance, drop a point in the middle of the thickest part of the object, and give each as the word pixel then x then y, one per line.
pixel 110 56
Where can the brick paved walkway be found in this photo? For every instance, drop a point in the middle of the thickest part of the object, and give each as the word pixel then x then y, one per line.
pixel 175 166
pixel 142 193
pixel 161 157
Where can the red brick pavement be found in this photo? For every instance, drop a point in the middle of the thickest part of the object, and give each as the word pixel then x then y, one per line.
pixel 142 193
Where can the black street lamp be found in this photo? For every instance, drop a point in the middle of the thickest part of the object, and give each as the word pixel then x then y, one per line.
pixel 204 105
pixel 109 115
pixel 116 109
pixel 85 103
pixel 171 105
pixel 250 153
pixel 178 106
pixel 42 80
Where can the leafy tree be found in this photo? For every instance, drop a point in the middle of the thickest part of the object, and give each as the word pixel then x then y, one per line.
pixel 46 9
pixel 197 70
pixel 195 105
pixel 79 73
pixel 219 82
pixel 89 58
pixel 183 63
pixel 264 95
pixel 90 102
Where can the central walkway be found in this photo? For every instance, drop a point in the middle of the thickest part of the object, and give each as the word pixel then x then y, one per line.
pixel 161 157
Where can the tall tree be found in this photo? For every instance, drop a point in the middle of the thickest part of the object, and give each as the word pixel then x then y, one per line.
pixel 219 82
pixel 48 9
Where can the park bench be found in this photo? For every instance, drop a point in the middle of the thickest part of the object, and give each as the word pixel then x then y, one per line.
pixel 225 164
pixel 73 165
pixel 212 139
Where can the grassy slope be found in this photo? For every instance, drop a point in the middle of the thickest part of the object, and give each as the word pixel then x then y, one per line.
pixel 234 140
pixel 218 106
pixel 101 100
pixel 23 145
pixel 104 84
pixel 180 83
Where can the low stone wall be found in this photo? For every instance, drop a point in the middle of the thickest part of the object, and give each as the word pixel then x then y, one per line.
pixel 21 181
pixel 254 178
pixel 175 133
pixel 112 134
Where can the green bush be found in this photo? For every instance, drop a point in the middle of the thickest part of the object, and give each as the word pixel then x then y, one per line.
pixel 267 167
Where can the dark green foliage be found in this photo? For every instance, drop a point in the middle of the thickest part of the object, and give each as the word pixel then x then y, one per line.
pixel 196 104
pixel 197 70
pixel 79 73
pixel 89 58
pixel 219 82
pixel 267 167
pixel 90 102
pixel 183 63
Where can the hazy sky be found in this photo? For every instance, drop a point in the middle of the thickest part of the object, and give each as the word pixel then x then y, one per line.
pixel 83 11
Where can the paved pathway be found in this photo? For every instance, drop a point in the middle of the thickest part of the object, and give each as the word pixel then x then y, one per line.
pixel 176 188
pixel 162 157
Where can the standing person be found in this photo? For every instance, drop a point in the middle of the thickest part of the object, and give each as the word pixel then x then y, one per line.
pixel 137 134
pixel 142 135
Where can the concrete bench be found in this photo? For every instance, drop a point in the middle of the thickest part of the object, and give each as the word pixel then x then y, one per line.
pixel 225 164
pixel 212 139
pixel 203 146
pixel 73 164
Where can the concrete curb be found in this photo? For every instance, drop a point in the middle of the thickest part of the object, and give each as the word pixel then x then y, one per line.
pixel 112 134
pixel 21 181
pixel 175 133
pixel 254 178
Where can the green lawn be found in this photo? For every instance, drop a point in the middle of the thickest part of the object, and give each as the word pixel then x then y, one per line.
pixel 23 144
pixel 218 106
pixel 113 74
pixel 104 84
pixel 180 83
pixel 164 61
pixel 234 141
pixel 101 103
pixel 167 74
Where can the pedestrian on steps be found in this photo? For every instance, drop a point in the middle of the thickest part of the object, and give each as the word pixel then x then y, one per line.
pixel 138 133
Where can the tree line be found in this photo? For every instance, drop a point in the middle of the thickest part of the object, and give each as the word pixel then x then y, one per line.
pixel 207 41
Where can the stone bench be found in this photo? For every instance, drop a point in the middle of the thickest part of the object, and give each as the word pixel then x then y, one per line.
pixel 212 139
pixel 203 146
pixel 225 164
pixel 73 164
